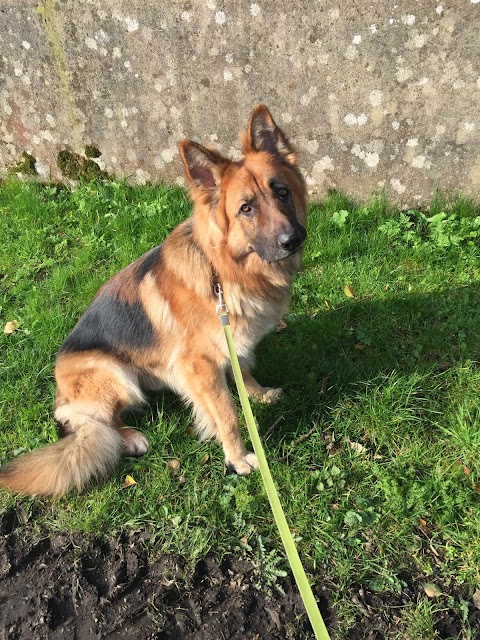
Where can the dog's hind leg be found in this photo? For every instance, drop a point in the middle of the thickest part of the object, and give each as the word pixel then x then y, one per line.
pixel 205 386
pixel 103 388
pixel 91 394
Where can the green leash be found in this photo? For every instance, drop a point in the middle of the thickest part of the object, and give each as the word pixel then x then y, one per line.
pixel 301 579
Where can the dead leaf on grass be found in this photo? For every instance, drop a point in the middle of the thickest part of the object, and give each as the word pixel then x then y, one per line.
pixel 465 469
pixel 359 345
pixel 173 465
pixel 476 599
pixel 11 326
pixel 425 527
pixel 357 447
pixel 331 444
pixel 431 590
pixel 128 482
pixel 348 291
pixel 280 326
pixel 205 459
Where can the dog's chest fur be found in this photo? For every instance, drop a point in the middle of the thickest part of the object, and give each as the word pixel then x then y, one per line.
pixel 252 316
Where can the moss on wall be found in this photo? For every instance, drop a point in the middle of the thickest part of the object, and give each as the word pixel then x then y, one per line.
pixel 92 152
pixel 26 165
pixel 77 167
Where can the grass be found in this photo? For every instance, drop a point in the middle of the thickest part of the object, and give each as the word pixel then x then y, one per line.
pixel 382 375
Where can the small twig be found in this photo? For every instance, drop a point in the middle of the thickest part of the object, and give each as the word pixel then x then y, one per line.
pixel 75 592
pixel 323 384
pixel 298 441
pixel 264 436
pixel 303 437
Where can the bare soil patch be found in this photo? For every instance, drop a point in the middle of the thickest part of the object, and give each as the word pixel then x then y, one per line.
pixel 69 586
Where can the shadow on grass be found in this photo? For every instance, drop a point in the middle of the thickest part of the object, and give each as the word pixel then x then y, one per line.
pixel 320 360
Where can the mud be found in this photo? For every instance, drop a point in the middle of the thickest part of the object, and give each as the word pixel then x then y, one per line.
pixel 69 586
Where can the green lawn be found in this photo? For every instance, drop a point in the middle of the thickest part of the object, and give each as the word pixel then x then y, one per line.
pixel 385 488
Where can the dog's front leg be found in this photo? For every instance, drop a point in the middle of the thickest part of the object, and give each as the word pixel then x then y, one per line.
pixel 205 385
pixel 268 395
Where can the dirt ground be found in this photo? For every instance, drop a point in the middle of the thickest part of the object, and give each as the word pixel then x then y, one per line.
pixel 70 587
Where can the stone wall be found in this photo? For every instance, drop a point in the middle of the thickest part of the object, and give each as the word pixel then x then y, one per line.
pixel 373 94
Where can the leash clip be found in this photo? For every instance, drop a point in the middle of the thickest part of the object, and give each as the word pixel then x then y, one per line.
pixel 222 308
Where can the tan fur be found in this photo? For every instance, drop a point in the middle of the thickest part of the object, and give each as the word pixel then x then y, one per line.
pixel 183 346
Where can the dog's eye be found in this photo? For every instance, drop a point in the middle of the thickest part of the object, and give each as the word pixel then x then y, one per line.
pixel 245 208
pixel 282 193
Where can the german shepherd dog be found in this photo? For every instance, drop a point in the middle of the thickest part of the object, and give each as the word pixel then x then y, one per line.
pixel 154 324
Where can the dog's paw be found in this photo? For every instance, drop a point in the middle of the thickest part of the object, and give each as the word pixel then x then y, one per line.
pixel 135 443
pixel 271 396
pixel 244 465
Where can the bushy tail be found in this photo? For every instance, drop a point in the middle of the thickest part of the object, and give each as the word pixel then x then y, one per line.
pixel 91 450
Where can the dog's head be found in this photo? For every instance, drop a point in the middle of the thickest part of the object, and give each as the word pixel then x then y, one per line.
pixel 256 205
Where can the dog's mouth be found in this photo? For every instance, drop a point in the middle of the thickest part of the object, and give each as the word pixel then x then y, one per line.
pixel 285 257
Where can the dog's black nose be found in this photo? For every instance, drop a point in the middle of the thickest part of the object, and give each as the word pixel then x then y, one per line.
pixel 290 241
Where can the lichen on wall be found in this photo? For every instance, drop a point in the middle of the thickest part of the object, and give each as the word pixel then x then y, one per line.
pixel 374 95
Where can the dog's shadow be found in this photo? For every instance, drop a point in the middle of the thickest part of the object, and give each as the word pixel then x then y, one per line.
pixel 322 358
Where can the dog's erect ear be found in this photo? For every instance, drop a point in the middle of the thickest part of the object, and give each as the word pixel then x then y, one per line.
pixel 264 135
pixel 203 167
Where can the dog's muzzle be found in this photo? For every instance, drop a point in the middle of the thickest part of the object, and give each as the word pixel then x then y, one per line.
pixel 286 244
pixel 292 241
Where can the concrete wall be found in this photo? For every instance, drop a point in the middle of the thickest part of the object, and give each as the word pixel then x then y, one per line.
pixel 373 93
